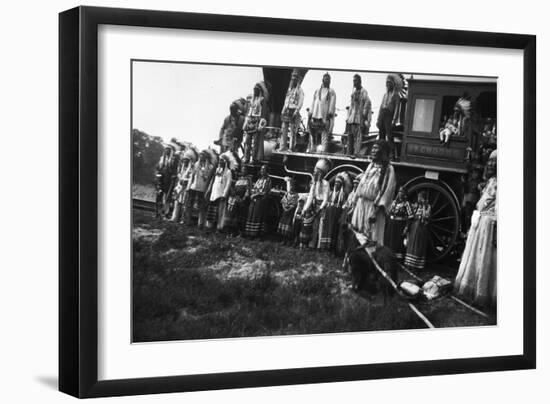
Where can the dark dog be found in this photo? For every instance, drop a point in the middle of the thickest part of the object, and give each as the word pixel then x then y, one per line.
pixel 364 274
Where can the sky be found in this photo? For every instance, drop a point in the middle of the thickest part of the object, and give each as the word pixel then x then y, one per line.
pixel 190 101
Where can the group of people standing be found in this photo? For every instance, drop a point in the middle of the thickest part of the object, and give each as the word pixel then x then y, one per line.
pixel 223 196
pixel 211 188
pixel 245 125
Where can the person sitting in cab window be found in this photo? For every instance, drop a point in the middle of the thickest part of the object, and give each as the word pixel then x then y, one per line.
pixel 457 123
pixel 290 115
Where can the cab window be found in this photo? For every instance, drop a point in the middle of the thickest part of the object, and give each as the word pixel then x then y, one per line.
pixel 423 118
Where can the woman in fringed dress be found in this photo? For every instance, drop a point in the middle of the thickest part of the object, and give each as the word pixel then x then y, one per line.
pixel 219 191
pixel 400 215
pixel 374 194
pixel 255 222
pixel 418 236
pixel 328 228
pixel 345 217
pixel 288 203
pixel 237 203
pixel 476 280
pixel 317 200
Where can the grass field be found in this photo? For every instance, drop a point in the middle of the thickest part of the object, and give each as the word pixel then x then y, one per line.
pixel 192 284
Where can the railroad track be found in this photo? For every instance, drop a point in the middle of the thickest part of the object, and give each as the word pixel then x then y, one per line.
pixel 412 306
pixel 141 204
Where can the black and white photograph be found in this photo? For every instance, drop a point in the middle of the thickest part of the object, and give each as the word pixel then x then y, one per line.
pixel 276 201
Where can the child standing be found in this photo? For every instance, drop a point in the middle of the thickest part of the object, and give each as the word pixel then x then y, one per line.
pixel 298 219
pixel 399 216
pixel 418 234
pixel 306 231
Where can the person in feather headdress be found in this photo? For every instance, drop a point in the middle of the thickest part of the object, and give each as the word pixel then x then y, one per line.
pixel 255 122
pixel 328 228
pixel 317 199
pixel 388 110
pixel 181 195
pixel 198 184
pixel 476 280
pixel 219 192
pixel 374 194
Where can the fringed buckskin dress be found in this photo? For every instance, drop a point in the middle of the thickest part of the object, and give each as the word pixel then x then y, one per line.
pixel 368 196
pixel 476 280
pixel 255 223
pixel 417 243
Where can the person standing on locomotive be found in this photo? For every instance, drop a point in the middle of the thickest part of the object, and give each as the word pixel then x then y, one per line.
pixel 359 116
pixel 166 173
pixel 254 123
pixel 476 280
pixel 321 115
pixel 290 115
pixel 317 199
pixel 231 132
pixel 374 194
pixel 388 109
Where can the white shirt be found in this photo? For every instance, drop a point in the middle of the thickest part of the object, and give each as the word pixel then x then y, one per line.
pixel 221 185
pixel 321 107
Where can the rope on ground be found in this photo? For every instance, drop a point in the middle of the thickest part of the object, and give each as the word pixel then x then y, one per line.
pixel 453 297
pixel 456 299
pixel 393 284
pixel 419 314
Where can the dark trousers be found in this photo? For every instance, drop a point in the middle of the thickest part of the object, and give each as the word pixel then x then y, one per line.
pixel 385 127
pixel 355 139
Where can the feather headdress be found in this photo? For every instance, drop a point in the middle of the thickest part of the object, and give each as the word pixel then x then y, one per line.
pixel 464 105
pixel 263 88
pixel 211 155
pixel 345 178
pixel 396 80
pixel 232 161
pixel 323 165
pixel 191 153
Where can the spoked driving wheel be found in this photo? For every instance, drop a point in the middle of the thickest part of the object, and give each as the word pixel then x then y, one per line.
pixel 444 223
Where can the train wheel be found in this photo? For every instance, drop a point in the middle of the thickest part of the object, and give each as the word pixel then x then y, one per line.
pixel 444 224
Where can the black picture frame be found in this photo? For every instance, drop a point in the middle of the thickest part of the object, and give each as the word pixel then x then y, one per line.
pixel 78 196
